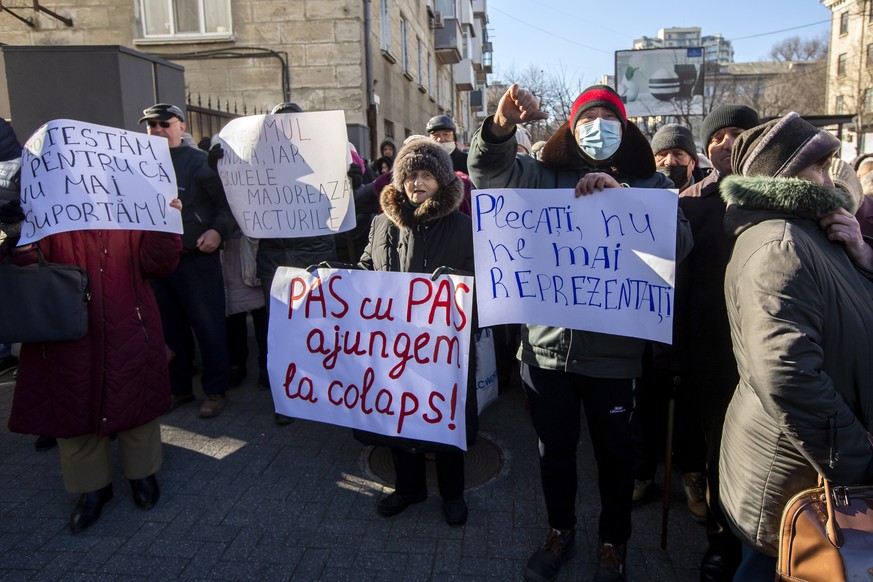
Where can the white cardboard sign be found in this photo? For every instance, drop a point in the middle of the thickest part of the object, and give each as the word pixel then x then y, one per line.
pixel 603 262
pixel 285 175
pixel 82 176
pixel 384 352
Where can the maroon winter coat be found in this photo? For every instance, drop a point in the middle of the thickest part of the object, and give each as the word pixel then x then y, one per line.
pixel 116 377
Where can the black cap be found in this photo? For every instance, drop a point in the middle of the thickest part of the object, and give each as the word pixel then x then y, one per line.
pixel 674 136
pixel 726 116
pixel 439 123
pixel 286 107
pixel 163 112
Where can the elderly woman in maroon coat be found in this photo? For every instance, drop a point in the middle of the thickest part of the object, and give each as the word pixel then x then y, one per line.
pixel 113 381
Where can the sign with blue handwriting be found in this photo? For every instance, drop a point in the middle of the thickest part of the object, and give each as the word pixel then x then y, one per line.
pixel 81 176
pixel 603 262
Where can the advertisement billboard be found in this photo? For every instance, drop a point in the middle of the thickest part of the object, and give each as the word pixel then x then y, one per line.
pixel 661 81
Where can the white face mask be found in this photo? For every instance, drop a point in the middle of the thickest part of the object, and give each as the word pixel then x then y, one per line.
pixel 448 146
pixel 599 138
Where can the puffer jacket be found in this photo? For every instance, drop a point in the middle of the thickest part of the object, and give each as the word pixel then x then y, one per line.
pixel 801 318
pixel 493 164
pixel 116 377
pixel 419 240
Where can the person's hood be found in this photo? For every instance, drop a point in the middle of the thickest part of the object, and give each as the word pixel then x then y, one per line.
pixel 397 207
pixel 633 160
pixel 792 197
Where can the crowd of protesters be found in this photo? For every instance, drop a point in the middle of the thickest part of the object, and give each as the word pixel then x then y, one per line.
pixel 769 368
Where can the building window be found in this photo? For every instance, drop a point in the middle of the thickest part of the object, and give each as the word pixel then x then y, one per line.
pixel 841 65
pixel 181 18
pixel 870 55
pixel 385 25
pixel 404 45
pixel 419 51
pixel 389 128
pixel 868 100
pixel 430 73
pixel 840 105
pixel 844 23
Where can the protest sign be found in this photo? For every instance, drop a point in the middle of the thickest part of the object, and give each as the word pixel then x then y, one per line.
pixel 82 176
pixel 385 352
pixel 285 175
pixel 603 262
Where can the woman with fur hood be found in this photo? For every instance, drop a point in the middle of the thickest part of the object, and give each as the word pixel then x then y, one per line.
pixel 419 231
pixel 564 369
pixel 800 302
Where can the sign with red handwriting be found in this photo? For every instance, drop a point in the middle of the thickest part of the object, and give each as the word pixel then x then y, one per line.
pixel 603 262
pixel 82 176
pixel 380 351
pixel 285 175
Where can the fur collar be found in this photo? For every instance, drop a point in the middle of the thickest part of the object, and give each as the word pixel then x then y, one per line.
pixel 789 195
pixel 633 160
pixel 396 205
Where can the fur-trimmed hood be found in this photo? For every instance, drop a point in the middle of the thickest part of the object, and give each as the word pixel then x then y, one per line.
pixel 793 196
pixel 397 207
pixel 633 160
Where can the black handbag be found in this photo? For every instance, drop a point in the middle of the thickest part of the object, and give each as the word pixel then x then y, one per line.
pixel 43 302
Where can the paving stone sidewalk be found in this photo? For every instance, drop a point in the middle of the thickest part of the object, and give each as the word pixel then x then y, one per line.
pixel 244 499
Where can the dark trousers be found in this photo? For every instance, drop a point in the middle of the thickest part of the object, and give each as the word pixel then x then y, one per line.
pixel 555 399
pixel 192 300
pixel 655 388
pixel 412 477
pixel 237 337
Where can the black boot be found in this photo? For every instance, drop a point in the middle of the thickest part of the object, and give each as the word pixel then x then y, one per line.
pixel 44 443
pixel 145 492
pixel 88 508
pixel 545 564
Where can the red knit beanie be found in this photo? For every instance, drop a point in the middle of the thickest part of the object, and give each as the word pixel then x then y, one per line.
pixel 598 96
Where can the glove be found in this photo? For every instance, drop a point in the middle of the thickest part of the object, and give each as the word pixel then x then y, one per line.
pixel 355 175
pixel 215 153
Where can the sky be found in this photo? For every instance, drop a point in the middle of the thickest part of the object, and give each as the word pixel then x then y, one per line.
pixel 578 38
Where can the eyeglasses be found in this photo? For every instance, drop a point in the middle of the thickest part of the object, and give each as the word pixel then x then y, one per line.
pixel 164 124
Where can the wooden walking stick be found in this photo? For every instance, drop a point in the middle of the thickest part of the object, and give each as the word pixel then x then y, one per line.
pixel 668 464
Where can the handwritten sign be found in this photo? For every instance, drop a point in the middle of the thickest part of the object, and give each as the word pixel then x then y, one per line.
pixel 82 176
pixel 285 175
pixel 380 351
pixel 603 262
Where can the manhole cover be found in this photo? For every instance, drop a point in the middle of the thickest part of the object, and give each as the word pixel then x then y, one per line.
pixel 482 463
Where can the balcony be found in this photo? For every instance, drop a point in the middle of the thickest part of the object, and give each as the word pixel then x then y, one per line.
pixel 447 42
pixel 465 77
pixel 477 100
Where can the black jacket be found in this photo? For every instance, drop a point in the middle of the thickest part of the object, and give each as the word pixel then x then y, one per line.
pixel 204 205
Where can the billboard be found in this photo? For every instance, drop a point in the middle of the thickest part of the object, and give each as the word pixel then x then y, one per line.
pixel 660 81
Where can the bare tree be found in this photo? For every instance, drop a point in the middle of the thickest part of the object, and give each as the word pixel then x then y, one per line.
pixel 796 49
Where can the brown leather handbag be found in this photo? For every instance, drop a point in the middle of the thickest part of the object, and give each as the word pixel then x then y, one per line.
pixel 827 535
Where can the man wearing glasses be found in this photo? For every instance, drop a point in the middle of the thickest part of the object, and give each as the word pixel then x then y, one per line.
pixel 192 298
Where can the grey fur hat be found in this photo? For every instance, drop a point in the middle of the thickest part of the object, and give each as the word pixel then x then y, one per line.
pixel 781 148
pixel 423 154
pixel 673 136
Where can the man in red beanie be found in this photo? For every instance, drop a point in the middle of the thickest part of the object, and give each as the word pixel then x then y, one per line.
pixel 564 369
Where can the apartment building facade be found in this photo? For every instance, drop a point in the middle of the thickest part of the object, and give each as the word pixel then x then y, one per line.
pixel 388 64
pixel 850 71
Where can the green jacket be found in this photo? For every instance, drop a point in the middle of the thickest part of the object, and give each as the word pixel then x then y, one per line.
pixel 493 164
pixel 801 317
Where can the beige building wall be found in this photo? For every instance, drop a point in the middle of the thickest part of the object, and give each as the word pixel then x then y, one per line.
pixel 323 41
